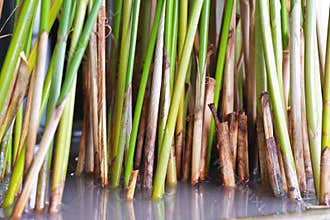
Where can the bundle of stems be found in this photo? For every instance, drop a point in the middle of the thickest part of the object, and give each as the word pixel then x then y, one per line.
pixel 150 92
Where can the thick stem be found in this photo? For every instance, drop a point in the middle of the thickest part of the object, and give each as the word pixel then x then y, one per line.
pixel 209 96
pixel 152 116
pixel 226 166
pixel 274 172
pixel 295 95
pixel 242 149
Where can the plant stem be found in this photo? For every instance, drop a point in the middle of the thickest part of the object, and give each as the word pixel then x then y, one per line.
pixel 179 86
pixel 277 102
pixel 56 71
pixel 313 93
pixel 295 95
pixel 16 46
pixel 127 99
pixel 219 69
pixel 153 108
pixel 325 156
pixel 141 92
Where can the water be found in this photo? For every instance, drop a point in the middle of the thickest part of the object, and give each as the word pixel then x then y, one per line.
pixel 85 199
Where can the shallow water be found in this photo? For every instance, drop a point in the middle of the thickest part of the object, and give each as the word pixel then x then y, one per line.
pixel 85 199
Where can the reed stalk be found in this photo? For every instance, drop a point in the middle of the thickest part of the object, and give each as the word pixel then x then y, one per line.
pixel 180 126
pixel 200 94
pixel 312 93
pixel 273 166
pixel 179 86
pixel 125 131
pixel 141 92
pixel 68 90
pixel 225 155
pixel 16 46
pixel 152 118
pixel 285 24
pixel 230 68
pixel 38 85
pixel 242 149
pixel 219 68
pixel 102 114
pixel 261 86
pixel 209 96
pixel 277 102
pixel 325 156
pixel 295 95
pixel 120 92
pixel 56 72
pixel 275 22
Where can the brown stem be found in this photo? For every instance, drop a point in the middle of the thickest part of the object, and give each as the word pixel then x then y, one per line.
pixel 251 98
pixel 19 90
pixel 151 131
pixel 232 119
pixel 209 95
pixel 93 68
pixel 89 168
pixel 132 185
pixel 101 95
pixel 262 154
pixel 85 123
pixel 142 131
pixel 281 164
pixel 242 148
pixel 325 177
pixel 226 167
pixel 189 137
pixel 274 171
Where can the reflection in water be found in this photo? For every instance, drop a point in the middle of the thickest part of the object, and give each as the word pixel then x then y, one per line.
pixel 85 199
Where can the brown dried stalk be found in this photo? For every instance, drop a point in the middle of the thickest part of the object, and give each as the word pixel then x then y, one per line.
pixel 273 167
pixel 85 123
pixel 281 163
pixel 189 137
pixel 325 177
pixel 209 97
pixel 93 69
pixel 6 107
pixel 250 85
pixel 242 148
pixel 132 185
pixel 232 119
pixel 101 96
pixel 19 91
pixel 262 153
pixel 151 132
pixel 142 131
pixel 226 167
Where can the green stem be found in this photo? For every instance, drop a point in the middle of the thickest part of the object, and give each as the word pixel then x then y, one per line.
pixel 277 102
pixel 179 86
pixel 313 92
pixel 128 92
pixel 284 24
pixel 141 92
